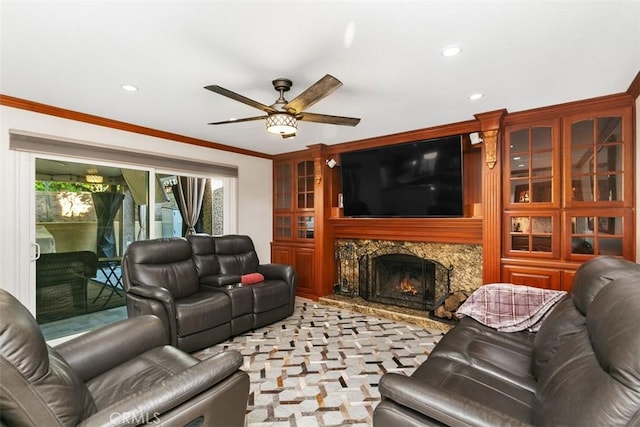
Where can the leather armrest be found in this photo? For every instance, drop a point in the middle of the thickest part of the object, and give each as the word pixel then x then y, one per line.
pixel 277 271
pixel 220 280
pixel 164 296
pixel 98 351
pixel 152 292
pixel 444 406
pixel 174 391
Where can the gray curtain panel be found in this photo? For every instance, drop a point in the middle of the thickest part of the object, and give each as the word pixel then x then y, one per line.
pixel 191 193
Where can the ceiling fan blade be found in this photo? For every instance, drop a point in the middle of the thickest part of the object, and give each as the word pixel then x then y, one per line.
pixel 325 118
pixel 313 94
pixel 247 119
pixel 236 97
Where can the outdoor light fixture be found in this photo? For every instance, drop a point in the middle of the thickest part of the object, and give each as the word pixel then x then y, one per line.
pixel 282 124
pixel 93 176
pixel 94 179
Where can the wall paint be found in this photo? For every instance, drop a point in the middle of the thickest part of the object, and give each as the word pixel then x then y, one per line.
pixel 254 204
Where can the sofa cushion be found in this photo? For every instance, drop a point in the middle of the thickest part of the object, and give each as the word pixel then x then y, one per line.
pixel 504 355
pixel 145 371
pixel 562 322
pixel 269 295
pixel 465 382
pixel 201 311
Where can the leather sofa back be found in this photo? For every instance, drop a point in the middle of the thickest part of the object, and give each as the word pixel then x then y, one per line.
pixel 568 316
pixel 162 262
pixel 596 273
pixel 594 376
pixel 204 254
pixel 236 254
pixel 33 374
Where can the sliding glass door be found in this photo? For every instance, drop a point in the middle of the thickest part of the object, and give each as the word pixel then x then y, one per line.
pixel 86 214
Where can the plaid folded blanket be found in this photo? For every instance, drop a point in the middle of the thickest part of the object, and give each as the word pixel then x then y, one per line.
pixel 508 307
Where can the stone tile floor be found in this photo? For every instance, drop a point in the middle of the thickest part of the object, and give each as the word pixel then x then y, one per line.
pixel 322 365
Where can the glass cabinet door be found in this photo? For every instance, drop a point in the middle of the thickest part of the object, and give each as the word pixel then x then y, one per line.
pixel 531 165
pixel 532 235
pixel 283 227
pixel 597 234
pixel 597 168
pixel 305 184
pixel 283 186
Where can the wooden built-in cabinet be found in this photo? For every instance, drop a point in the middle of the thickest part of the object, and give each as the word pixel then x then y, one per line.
pixel 294 219
pixel 567 194
pixel 546 190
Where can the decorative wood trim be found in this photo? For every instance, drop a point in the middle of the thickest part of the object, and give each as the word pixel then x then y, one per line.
pixel 399 138
pixel 22 104
pixel 569 108
pixel 490 140
pixel 442 230
pixel 634 87
pixel 490 124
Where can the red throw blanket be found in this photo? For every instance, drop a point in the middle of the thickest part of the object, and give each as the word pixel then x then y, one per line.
pixel 508 307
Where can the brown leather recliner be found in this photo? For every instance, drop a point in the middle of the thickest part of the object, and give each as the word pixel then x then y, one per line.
pixel 160 278
pixel 122 374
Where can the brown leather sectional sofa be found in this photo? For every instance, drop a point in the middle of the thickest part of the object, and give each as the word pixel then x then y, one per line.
pixel 582 368
pixel 194 286
pixel 125 373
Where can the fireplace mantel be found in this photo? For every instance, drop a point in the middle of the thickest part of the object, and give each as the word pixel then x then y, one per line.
pixel 443 230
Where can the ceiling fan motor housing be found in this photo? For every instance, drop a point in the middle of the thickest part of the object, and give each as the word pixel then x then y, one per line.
pixel 282 84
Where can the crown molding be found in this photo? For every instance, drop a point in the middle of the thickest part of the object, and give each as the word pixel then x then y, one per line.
pixel 23 104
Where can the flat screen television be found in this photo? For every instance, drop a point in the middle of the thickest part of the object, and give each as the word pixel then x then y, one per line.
pixel 416 179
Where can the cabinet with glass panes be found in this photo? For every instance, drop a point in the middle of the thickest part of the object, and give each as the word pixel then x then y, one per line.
pixel 294 218
pixel 531 185
pixel 568 194
pixel 598 164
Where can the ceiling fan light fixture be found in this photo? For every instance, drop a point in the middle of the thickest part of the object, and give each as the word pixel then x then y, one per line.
pixel 282 124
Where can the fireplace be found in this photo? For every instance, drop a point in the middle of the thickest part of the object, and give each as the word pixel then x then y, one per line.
pixel 400 279
pixel 406 275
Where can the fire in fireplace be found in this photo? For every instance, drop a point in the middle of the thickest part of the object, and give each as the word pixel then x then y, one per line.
pixel 399 279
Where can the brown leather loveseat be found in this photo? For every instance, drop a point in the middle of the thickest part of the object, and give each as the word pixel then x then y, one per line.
pixel 125 373
pixel 582 367
pixel 195 286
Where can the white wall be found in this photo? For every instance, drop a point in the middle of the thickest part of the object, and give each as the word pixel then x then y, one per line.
pixel 16 173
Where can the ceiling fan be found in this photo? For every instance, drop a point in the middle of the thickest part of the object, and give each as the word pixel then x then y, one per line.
pixel 283 116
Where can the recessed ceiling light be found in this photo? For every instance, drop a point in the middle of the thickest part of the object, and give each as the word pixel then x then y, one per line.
pixel 450 51
pixel 475 96
pixel 129 88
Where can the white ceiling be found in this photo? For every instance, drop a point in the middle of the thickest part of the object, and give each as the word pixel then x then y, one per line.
pixel 519 54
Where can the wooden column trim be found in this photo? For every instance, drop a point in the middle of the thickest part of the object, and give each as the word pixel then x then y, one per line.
pixel 491 127
pixel 323 256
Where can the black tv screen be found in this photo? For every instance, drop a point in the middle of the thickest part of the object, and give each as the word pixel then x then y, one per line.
pixel 417 179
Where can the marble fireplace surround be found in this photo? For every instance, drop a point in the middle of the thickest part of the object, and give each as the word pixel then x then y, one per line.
pixel 464 259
